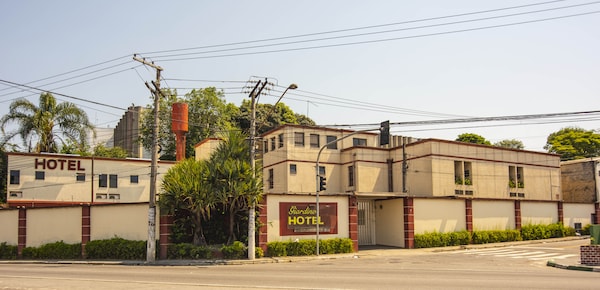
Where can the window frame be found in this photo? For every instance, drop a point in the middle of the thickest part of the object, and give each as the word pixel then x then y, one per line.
pixel 40 175
pixel 299 139
pixel 359 142
pixel 15 177
pixel 315 140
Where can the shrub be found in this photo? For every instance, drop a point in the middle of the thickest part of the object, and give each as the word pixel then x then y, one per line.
pixel 259 253
pixel 538 232
pixel 276 249
pixel 586 230
pixel 56 250
pixel 235 251
pixel 435 239
pixel 8 252
pixel 189 251
pixel 495 236
pixel 308 247
pixel 116 248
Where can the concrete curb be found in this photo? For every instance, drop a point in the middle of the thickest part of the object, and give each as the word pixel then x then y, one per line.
pixel 571 267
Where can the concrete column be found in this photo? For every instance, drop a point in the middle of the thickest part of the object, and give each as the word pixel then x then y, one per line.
pixel 409 223
pixel 469 214
pixel 263 221
pixel 165 229
pixel 517 215
pixel 561 213
pixel 353 221
pixel 22 231
pixel 85 227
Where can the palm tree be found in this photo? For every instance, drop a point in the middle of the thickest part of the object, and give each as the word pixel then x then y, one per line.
pixel 48 122
pixel 232 178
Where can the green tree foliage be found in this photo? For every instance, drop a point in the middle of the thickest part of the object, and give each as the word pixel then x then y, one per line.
pixel 510 143
pixel 268 117
pixel 187 189
pixel 232 178
pixel 48 123
pixel 472 138
pixel 574 143
pixel 208 113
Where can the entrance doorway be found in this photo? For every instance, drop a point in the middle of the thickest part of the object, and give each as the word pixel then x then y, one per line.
pixel 366 223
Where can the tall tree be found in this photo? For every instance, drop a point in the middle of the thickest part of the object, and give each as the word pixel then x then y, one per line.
pixel 232 178
pixel 187 191
pixel 472 138
pixel 574 143
pixel 208 114
pixel 510 143
pixel 49 123
pixel 269 117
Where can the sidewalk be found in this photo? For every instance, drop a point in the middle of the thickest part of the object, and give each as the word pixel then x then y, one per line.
pixel 571 263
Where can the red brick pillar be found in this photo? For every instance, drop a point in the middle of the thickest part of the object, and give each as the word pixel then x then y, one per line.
pixel 165 228
pixel 85 227
pixel 561 213
pixel 517 215
pixel 22 231
pixel 597 215
pixel 469 214
pixel 353 221
pixel 263 222
pixel 409 223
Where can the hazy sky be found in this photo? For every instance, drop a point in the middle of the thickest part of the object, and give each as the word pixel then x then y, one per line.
pixel 355 62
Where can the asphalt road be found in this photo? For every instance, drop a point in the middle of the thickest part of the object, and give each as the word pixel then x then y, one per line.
pixel 515 268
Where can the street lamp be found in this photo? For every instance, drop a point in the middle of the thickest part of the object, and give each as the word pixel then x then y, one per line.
pixel 251 212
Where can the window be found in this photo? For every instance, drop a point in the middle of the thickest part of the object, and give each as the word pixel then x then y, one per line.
pixel 314 141
pixel 351 175
pixel 40 175
pixel 293 169
pixel 266 146
pixel 80 177
pixel 15 177
pixel 299 139
pixel 359 142
pixel 515 177
pixel 462 173
pixel 112 181
pixel 17 194
pixel 322 171
pixel 280 140
pixel 273 144
pixel 134 179
pixel 332 145
pixel 271 177
pixel 103 180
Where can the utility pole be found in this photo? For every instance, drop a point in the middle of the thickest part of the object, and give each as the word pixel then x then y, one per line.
pixel 252 209
pixel 151 244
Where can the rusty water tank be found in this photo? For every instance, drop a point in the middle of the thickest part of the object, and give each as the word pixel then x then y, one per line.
pixel 179 118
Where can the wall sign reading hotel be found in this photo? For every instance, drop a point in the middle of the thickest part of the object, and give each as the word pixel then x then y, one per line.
pixel 58 164
pixel 299 218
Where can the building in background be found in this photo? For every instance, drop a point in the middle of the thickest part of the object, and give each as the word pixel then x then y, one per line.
pixel 127 132
pixel 581 180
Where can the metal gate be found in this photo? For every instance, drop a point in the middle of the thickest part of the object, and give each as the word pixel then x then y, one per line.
pixel 366 222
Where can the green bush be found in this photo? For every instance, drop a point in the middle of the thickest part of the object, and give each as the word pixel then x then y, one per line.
pixel 586 230
pixel 8 252
pixel 235 251
pixel 56 250
pixel 308 247
pixel 189 251
pixel 435 239
pixel 538 232
pixel 495 236
pixel 259 253
pixel 116 248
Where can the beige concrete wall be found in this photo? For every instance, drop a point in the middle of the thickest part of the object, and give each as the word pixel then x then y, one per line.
pixel 439 215
pixel 9 227
pixel 127 221
pixel 577 213
pixel 48 225
pixel 389 217
pixel 533 213
pixel 493 215
pixel 273 217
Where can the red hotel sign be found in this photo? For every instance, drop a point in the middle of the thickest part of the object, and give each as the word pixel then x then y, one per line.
pixel 299 218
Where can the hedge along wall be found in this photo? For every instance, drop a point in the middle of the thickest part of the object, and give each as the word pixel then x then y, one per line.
pixel 127 221
pixel 48 225
pixel 439 215
pixel 9 226
pixel 542 213
pixel 493 215
pixel 577 213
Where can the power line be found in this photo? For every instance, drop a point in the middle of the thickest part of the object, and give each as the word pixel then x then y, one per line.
pixel 352 29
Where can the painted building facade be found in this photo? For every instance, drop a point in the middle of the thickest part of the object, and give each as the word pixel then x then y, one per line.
pixel 36 180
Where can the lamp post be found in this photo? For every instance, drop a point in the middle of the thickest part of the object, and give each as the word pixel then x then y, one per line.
pixel 251 211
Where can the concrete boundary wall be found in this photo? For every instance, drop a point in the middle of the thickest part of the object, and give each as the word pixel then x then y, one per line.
pixel 538 213
pixel 439 215
pixel 493 215
pixel 127 221
pixel 48 225
pixel 9 226
pixel 577 213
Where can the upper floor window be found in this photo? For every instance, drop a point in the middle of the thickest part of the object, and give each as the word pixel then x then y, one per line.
pixel 280 140
pixel 266 146
pixel 516 178
pixel 15 176
pixel 102 180
pixel 134 179
pixel 314 141
pixel 351 175
pixel 463 173
pixel 271 178
pixel 293 169
pixel 299 139
pixel 80 177
pixel 273 144
pixel 40 175
pixel 112 182
pixel 331 145
pixel 359 142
